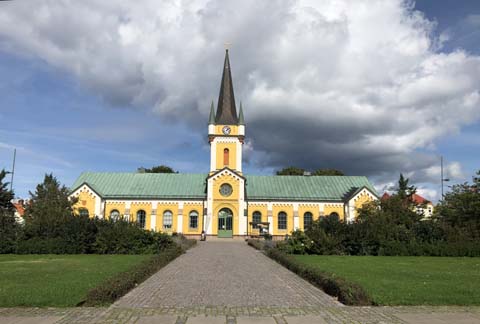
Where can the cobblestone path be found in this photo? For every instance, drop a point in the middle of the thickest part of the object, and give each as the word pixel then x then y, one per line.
pixel 231 283
pixel 225 274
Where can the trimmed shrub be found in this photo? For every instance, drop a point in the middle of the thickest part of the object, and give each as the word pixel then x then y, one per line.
pixel 256 243
pixel 122 283
pixel 347 293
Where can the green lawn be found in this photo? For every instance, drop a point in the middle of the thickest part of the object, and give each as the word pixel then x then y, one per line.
pixel 408 280
pixel 56 280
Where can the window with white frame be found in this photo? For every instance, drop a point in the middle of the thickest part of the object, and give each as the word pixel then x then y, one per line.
pixel 167 219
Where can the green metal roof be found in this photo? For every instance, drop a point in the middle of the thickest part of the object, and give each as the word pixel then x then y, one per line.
pixel 329 188
pixel 144 185
pixel 192 186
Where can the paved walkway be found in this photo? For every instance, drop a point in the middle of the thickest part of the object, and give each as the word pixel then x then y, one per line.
pixel 228 282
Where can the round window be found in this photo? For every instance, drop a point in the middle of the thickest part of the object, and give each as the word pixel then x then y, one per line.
pixel 226 190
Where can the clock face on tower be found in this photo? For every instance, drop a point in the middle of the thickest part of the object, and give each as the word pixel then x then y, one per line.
pixel 226 130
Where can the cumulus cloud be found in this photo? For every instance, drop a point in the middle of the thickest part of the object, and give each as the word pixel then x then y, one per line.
pixel 361 86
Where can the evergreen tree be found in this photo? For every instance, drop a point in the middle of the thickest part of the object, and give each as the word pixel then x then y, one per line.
pixel 405 192
pixel 8 225
pixel 50 207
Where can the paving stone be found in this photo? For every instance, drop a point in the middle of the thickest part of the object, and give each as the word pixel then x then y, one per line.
pixel 435 318
pixel 207 320
pixel 307 319
pixel 255 320
pixel 157 319
pixel 29 319
pixel 225 274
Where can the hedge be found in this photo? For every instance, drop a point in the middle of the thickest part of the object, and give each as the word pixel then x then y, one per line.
pixel 347 293
pixel 122 283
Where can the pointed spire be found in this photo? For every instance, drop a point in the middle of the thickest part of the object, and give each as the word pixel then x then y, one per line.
pixel 241 120
pixel 226 110
pixel 211 120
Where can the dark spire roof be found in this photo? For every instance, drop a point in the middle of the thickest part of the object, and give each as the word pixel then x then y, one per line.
pixel 211 120
pixel 226 110
pixel 241 120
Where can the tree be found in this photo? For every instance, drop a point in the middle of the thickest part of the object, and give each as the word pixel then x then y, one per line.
pixel 159 169
pixel 405 192
pixel 291 171
pixel 50 207
pixel 8 225
pixel 328 172
pixel 461 206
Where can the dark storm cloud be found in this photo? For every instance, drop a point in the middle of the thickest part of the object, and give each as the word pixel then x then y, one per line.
pixel 358 86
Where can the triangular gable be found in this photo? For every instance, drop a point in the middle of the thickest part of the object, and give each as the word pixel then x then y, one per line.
pixel 85 186
pixel 360 191
pixel 225 171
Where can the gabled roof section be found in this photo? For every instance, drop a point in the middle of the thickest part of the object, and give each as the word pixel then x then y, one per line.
pixel 359 190
pixel 235 173
pixel 226 110
pixel 110 185
pixel 305 188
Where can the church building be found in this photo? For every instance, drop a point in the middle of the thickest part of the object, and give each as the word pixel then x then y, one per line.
pixel 225 202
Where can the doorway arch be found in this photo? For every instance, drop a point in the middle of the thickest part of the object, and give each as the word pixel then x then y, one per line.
pixel 225 223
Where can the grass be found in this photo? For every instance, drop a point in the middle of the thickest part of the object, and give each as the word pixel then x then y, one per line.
pixel 57 280
pixel 407 280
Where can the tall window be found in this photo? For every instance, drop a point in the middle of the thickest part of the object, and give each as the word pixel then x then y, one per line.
pixel 226 157
pixel 141 217
pixel 335 216
pixel 83 212
pixel 307 220
pixel 256 218
pixel 114 215
pixel 167 219
pixel 193 220
pixel 282 221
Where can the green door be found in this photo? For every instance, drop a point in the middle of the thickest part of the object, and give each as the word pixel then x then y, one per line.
pixel 225 223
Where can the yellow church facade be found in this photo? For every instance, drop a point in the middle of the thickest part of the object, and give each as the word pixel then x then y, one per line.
pixel 225 202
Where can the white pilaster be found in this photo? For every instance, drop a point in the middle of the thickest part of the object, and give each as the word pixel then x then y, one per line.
pixel 239 156
pixel 209 217
pixel 270 217
pixel 296 222
pixel 180 217
pixel 213 155
pixel 242 219
pixel 98 207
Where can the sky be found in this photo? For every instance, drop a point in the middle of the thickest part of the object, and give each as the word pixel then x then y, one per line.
pixel 374 88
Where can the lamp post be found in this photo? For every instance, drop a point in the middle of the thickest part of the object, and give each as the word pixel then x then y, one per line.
pixel 442 179
pixel 13 169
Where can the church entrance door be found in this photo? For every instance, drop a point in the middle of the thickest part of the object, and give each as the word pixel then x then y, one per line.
pixel 225 223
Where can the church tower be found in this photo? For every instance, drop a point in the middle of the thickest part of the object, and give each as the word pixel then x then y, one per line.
pixel 226 206
pixel 226 129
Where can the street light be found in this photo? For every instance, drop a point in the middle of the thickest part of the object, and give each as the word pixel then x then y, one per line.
pixel 442 179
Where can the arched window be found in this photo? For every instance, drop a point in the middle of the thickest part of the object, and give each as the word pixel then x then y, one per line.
pixel 141 217
pixel 307 220
pixel 226 157
pixel 167 219
pixel 256 218
pixel 282 221
pixel 83 212
pixel 115 215
pixel 193 220
pixel 334 216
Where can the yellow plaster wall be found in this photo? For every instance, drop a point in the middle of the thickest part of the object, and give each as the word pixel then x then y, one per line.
pixel 187 208
pixel 161 208
pixel 262 208
pixel 231 201
pixel 287 208
pixel 85 200
pixel 233 130
pixel 303 208
pixel 137 206
pixel 360 200
pixel 109 206
pixel 232 157
pixel 333 207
